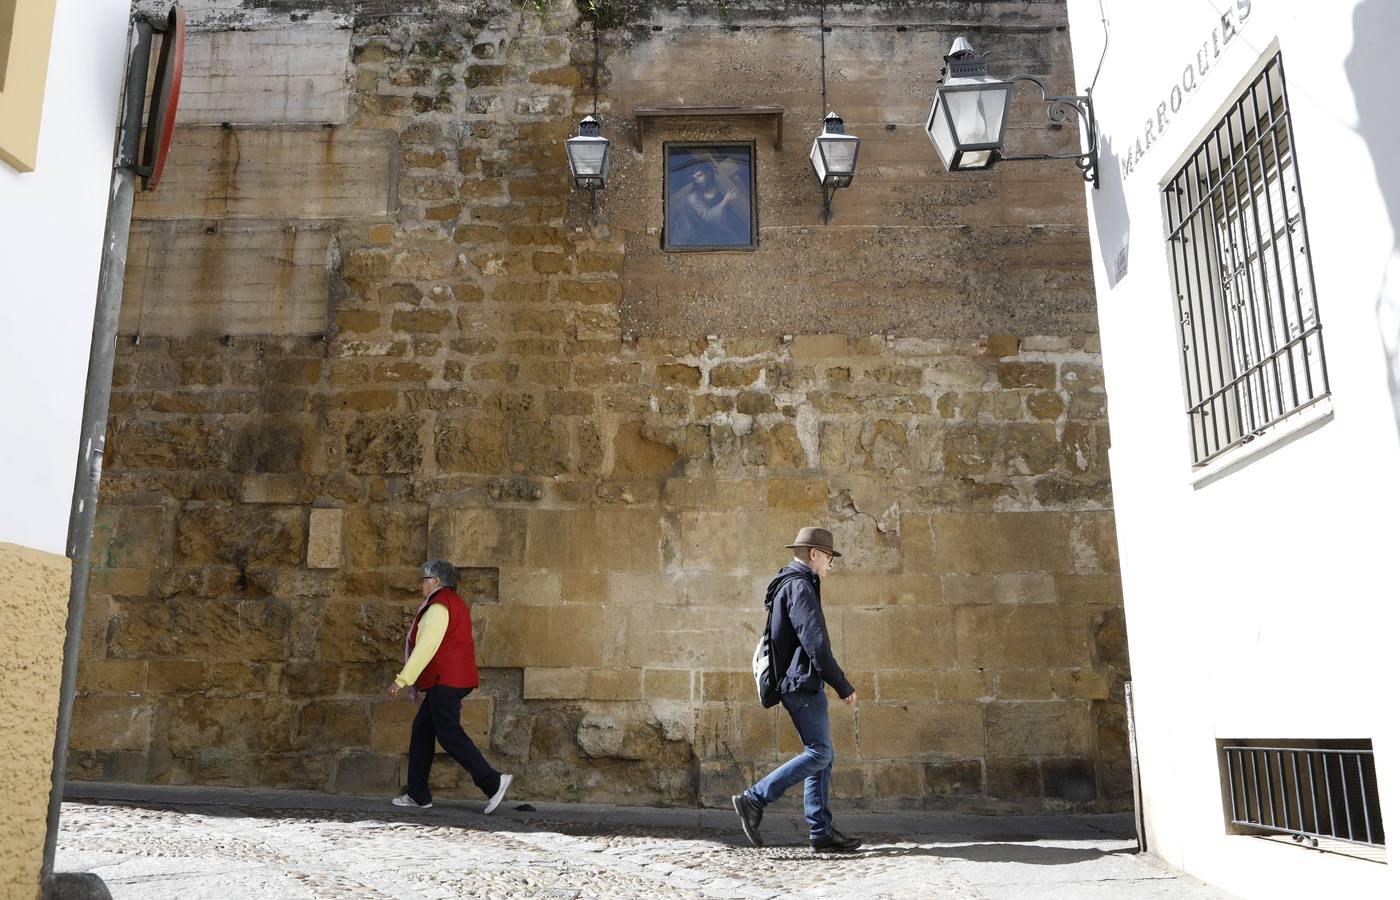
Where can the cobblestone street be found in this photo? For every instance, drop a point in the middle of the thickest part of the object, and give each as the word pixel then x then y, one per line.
pixel 191 843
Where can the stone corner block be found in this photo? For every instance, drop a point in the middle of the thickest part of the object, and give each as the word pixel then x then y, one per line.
pixel 323 542
pixel 819 346
pixel 271 488
pixel 555 684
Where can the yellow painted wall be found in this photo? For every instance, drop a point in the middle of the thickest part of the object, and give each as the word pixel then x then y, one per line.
pixel 28 28
pixel 33 604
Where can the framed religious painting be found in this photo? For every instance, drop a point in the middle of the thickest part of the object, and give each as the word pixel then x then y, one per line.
pixel 26 30
pixel 709 197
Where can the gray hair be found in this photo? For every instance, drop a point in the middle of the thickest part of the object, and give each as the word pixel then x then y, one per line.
pixel 442 570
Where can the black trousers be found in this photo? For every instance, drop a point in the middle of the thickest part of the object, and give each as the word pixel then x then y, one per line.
pixel 439 721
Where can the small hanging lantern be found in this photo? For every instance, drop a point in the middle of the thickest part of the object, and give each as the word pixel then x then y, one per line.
pixel 834 151
pixel 834 154
pixel 590 155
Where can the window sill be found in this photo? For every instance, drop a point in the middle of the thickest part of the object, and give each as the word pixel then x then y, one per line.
pixel 1324 845
pixel 1304 421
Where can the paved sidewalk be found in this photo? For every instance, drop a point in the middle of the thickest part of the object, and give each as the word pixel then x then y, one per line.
pixel 155 842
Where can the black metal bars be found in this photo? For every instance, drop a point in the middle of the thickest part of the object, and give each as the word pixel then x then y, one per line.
pixel 1251 341
pixel 1306 792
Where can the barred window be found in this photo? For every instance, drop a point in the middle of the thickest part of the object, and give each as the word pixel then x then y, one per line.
pixel 1317 793
pixel 1251 341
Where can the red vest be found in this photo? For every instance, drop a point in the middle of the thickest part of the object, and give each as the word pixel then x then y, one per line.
pixel 454 664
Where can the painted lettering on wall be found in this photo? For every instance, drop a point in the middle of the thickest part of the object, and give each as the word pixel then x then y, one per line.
pixel 1193 75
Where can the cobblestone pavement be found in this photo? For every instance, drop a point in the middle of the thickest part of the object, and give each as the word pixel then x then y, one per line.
pixel 152 843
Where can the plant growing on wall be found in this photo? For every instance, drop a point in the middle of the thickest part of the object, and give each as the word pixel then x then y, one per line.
pixel 542 8
pixel 603 13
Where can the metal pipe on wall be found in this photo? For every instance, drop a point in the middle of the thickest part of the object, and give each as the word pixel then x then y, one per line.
pixel 97 396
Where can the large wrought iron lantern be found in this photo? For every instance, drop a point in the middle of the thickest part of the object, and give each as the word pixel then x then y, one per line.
pixel 834 154
pixel 967 123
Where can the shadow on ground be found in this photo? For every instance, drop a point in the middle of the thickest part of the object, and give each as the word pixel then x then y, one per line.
pixel 1034 854
pixel 1003 847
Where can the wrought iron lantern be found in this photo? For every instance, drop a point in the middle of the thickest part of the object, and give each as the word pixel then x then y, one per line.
pixel 590 155
pixel 967 123
pixel 834 154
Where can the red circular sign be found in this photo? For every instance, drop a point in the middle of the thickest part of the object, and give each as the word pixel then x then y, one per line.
pixel 165 98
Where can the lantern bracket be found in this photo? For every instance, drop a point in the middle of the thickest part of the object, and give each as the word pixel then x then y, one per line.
pixel 1058 111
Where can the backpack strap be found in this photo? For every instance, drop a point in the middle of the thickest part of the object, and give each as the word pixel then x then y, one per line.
pixel 776 586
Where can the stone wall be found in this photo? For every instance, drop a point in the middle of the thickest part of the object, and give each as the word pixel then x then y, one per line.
pixel 506 380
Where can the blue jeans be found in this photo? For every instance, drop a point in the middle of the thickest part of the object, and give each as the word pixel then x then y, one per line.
pixel 812 765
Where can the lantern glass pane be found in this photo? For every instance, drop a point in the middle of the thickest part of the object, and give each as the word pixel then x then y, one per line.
pixel 587 155
pixel 840 154
pixel 977 115
pixel 818 161
pixel 940 132
pixel 975 159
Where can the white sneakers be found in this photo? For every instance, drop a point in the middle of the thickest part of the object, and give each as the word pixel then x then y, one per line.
pixel 495 801
pixel 500 794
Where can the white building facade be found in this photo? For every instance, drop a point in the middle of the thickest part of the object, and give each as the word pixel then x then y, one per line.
pixel 55 182
pixel 1245 248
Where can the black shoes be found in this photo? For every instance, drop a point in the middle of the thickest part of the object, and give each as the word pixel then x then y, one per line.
pixel 750 815
pixel 835 842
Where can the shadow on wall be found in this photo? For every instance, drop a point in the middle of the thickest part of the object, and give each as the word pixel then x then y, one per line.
pixel 1111 213
pixel 1370 70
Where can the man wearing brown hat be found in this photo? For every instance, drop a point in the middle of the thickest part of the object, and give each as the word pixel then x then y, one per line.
pixel 802 657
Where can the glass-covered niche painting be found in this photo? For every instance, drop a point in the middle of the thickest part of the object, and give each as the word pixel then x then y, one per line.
pixel 709 197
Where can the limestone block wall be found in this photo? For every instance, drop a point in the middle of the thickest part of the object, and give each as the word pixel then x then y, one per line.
pixel 613 443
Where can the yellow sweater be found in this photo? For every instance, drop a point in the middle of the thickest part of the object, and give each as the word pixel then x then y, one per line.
pixel 431 629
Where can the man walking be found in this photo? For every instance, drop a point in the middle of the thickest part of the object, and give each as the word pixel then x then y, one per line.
pixel 803 659
pixel 440 661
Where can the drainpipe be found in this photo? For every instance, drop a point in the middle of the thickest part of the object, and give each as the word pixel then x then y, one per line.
pixel 1139 820
pixel 95 406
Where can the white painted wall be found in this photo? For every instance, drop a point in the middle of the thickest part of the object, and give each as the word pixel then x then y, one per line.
pixel 1300 642
pixel 51 226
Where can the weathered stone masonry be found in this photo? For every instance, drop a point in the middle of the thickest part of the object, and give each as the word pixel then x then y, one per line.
pixel 375 326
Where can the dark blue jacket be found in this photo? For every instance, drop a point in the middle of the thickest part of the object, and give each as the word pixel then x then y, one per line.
pixel 801 648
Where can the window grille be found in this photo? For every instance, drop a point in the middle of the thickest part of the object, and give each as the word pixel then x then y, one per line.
pixel 1251 342
pixel 1313 791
